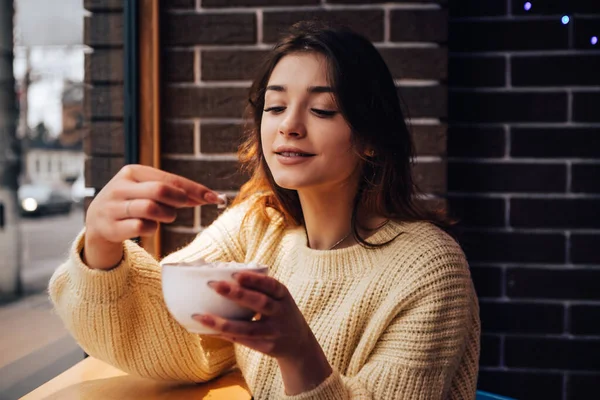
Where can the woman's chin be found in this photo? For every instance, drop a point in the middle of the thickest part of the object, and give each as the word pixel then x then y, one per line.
pixel 287 185
pixel 290 183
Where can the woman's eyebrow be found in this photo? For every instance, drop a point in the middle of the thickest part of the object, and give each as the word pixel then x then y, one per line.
pixel 319 89
pixel 310 89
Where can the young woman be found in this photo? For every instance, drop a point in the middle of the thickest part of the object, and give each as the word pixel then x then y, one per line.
pixel 366 298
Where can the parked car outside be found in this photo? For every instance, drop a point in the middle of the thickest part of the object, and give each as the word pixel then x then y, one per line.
pixel 44 198
pixel 79 192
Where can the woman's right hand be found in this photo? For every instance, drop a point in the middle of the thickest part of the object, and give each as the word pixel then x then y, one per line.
pixel 132 204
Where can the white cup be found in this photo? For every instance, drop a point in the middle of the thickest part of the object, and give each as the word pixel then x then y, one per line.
pixel 186 292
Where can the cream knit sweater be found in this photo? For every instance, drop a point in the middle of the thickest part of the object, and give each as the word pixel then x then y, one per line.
pixel 398 322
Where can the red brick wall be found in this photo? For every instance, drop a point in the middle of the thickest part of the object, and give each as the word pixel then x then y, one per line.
pixel 210 49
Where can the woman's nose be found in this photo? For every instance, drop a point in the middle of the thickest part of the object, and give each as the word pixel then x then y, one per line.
pixel 292 125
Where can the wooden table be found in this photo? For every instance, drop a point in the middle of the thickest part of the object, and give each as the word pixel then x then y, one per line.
pixel 92 379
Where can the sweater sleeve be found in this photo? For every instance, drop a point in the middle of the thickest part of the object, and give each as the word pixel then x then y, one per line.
pixel 119 316
pixel 418 354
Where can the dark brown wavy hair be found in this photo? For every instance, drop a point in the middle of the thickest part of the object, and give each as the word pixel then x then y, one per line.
pixel 367 97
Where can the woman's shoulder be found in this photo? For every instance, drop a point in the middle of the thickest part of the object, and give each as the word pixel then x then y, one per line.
pixel 430 235
pixel 426 246
pixel 254 213
pixel 230 236
pixel 250 218
pixel 424 259
pixel 246 211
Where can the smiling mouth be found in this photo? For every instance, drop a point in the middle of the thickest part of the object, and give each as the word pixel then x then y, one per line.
pixel 292 154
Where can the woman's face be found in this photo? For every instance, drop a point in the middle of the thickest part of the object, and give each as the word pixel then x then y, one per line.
pixel 305 139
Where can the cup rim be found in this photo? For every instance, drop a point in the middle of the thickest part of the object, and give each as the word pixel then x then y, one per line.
pixel 258 267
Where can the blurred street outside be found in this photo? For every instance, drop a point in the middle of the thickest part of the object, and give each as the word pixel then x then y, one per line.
pixel 46 244
pixel 34 345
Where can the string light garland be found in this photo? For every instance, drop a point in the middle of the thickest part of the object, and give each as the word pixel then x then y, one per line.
pixel 565 19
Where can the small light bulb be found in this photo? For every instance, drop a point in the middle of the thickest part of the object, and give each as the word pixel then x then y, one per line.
pixel 527 6
pixel 565 19
pixel 594 40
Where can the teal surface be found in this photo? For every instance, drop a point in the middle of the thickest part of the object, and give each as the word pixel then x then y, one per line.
pixel 481 395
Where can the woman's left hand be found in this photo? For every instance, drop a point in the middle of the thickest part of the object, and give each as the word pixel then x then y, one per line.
pixel 281 331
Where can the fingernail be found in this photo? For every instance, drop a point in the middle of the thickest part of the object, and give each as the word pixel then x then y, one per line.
pixel 235 275
pixel 210 196
pixel 204 319
pixel 222 200
pixel 224 289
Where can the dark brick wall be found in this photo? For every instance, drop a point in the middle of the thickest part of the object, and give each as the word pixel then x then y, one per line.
pixel 524 177
pixel 211 48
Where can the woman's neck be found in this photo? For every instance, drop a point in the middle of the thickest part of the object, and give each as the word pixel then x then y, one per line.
pixel 328 217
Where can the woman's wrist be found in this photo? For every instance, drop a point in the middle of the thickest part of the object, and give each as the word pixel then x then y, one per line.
pixel 306 370
pixel 100 254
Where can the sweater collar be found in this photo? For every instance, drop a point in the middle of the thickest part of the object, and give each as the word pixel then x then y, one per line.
pixel 340 263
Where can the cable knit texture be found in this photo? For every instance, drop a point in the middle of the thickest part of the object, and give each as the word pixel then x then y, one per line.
pixel 398 322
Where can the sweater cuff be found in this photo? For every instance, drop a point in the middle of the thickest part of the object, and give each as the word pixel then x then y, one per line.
pixel 331 388
pixel 96 285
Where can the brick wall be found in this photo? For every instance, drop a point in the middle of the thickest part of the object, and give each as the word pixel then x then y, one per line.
pixel 103 97
pixel 210 49
pixel 523 173
pixel 523 147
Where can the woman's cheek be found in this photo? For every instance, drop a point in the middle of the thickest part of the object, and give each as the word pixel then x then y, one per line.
pixel 267 130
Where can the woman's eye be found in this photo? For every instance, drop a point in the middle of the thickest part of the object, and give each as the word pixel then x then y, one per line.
pixel 320 113
pixel 274 109
pixel 324 113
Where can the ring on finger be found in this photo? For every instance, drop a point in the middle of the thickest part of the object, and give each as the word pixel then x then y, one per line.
pixel 127 214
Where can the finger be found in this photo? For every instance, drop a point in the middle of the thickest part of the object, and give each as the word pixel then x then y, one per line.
pixel 261 345
pixel 194 190
pixel 262 283
pixel 253 343
pixel 145 209
pixel 130 228
pixel 154 190
pixel 238 329
pixel 256 301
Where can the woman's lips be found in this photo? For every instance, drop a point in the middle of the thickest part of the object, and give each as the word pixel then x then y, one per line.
pixel 293 154
pixel 290 158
